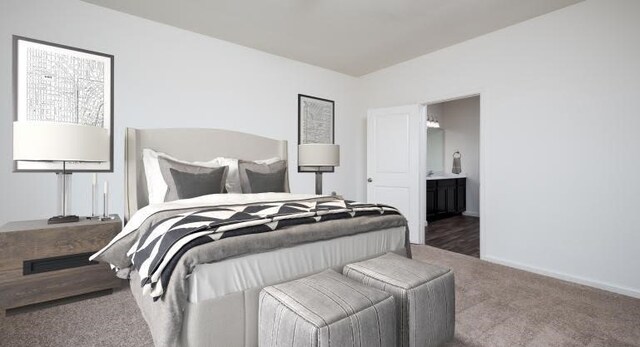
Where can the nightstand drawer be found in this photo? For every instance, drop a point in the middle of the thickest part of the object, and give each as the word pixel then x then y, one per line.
pixel 55 285
pixel 48 242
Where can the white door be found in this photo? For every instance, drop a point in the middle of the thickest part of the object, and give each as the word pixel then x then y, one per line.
pixel 396 164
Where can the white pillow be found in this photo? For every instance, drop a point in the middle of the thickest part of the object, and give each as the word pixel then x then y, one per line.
pixel 233 175
pixel 157 187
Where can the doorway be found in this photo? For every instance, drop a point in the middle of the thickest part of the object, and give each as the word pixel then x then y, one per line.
pixel 453 175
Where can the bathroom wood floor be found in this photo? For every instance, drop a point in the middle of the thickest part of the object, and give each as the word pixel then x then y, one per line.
pixel 460 234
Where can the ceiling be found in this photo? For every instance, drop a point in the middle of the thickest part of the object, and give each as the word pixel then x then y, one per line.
pixel 354 37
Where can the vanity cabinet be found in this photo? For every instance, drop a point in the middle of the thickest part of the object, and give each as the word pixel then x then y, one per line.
pixel 446 197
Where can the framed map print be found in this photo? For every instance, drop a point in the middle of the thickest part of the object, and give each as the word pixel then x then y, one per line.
pixel 56 83
pixel 315 120
pixel 315 123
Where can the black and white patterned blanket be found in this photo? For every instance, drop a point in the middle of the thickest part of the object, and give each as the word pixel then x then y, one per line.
pixel 158 250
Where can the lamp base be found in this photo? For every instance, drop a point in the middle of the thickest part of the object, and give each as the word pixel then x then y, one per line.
pixel 62 219
pixel 318 182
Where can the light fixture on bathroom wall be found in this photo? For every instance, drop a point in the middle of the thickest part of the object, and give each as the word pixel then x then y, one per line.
pixel 432 122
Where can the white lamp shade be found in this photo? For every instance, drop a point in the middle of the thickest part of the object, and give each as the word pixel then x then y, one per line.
pixel 49 141
pixel 316 154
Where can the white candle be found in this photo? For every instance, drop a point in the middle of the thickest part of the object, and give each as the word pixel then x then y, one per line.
pixel 95 179
pixel 106 187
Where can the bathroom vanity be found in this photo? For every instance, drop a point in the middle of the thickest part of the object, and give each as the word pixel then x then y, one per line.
pixel 446 196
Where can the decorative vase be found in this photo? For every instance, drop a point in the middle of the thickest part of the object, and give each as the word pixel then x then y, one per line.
pixel 457 165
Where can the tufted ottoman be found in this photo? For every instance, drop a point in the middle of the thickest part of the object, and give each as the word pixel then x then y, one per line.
pixel 424 294
pixel 326 309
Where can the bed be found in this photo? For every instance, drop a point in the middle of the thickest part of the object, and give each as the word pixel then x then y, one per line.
pixel 219 306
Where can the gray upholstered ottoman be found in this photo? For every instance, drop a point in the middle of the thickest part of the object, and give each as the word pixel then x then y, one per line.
pixel 424 293
pixel 326 309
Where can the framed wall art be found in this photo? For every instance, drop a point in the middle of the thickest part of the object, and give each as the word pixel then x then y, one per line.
pixel 57 83
pixel 315 120
pixel 316 123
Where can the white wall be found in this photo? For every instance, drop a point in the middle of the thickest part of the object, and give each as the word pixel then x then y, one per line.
pixel 460 120
pixel 560 137
pixel 167 77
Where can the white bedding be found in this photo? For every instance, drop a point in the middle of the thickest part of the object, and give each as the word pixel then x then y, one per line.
pixel 209 281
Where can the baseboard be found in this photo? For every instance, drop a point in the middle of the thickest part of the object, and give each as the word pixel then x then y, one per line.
pixel 471 213
pixel 566 277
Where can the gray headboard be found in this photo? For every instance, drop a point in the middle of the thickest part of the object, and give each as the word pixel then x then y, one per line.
pixel 190 145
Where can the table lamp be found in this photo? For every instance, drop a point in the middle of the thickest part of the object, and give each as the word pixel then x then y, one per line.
pixel 60 142
pixel 318 157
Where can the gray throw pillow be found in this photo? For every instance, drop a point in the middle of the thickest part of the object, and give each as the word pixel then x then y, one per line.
pixel 277 167
pixel 165 169
pixel 189 185
pixel 272 182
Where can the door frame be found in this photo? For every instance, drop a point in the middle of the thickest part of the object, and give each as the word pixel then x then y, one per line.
pixel 464 94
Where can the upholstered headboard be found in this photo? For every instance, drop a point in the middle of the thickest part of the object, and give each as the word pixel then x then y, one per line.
pixel 190 145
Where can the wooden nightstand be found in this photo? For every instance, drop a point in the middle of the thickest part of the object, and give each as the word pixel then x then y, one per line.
pixel 41 262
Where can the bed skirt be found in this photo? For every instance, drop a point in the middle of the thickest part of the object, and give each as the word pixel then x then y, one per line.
pixel 230 320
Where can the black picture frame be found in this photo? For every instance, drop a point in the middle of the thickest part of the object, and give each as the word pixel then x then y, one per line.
pixel 108 59
pixel 301 140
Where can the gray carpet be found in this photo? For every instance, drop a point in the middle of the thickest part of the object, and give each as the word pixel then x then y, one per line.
pixel 496 306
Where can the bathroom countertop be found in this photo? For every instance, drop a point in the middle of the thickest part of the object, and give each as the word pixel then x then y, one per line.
pixel 445 176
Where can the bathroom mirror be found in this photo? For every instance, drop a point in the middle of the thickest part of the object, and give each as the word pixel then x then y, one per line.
pixel 435 149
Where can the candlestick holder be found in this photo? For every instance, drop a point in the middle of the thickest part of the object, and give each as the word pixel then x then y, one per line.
pixel 105 208
pixel 94 199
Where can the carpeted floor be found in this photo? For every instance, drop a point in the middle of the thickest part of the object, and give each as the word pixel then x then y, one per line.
pixel 496 306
